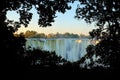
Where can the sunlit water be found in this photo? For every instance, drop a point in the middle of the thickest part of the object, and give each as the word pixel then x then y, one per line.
pixel 70 49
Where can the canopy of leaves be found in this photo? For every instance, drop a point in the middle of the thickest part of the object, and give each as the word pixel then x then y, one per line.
pixel 11 46
pixel 106 15
pixel 45 8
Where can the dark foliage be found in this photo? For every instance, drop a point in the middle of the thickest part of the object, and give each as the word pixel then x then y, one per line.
pixel 43 58
pixel 11 47
pixel 15 59
pixel 106 15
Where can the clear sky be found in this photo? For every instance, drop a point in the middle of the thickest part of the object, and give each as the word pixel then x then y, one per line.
pixel 63 23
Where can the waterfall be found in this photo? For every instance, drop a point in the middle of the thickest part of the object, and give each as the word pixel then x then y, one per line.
pixel 71 49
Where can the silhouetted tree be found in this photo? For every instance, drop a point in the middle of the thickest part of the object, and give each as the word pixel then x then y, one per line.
pixel 106 15
pixel 11 47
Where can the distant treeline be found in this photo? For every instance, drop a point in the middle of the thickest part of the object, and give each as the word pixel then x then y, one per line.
pixel 34 34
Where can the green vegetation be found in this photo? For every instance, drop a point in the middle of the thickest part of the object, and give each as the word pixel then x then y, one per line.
pixel 34 34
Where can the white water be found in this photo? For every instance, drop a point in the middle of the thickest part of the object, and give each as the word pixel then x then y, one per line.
pixel 71 49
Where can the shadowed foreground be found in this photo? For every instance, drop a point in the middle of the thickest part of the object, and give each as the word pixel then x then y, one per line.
pixel 28 68
pixel 63 72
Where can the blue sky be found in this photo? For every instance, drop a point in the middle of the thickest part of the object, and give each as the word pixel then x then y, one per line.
pixel 63 23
